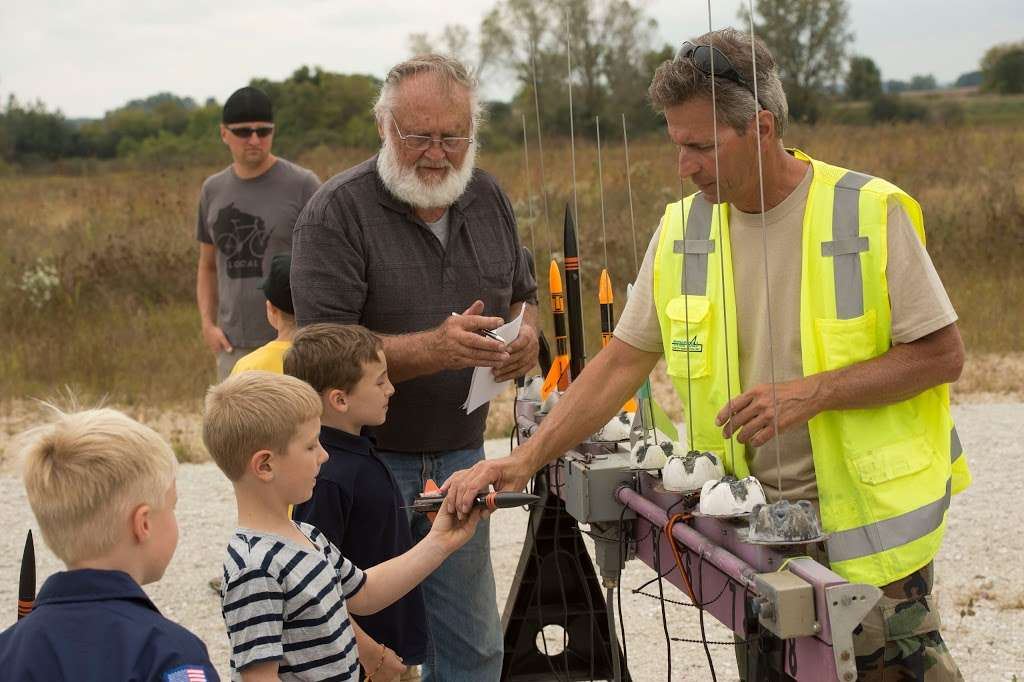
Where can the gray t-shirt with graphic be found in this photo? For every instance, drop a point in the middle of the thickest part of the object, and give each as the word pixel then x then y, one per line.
pixel 250 221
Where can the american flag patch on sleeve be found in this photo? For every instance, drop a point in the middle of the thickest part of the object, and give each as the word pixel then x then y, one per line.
pixel 186 673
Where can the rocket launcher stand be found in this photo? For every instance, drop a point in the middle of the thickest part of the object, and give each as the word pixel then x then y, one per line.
pixel 555 584
pixel 797 615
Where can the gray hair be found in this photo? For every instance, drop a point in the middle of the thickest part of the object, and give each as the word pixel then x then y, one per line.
pixel 679 80
pixel 449 71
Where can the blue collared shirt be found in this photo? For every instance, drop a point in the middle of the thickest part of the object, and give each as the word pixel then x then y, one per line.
pixel 91 625
pixel 356 503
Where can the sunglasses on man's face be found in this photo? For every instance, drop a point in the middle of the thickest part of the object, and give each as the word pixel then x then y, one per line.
pixel 712 62
pixel 245 132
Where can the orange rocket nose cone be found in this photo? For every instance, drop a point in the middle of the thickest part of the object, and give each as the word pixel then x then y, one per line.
pixel 554 278
pixel 604 292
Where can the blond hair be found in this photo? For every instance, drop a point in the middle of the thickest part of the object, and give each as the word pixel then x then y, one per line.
pixel 328 355
pixel 255 411
pixel 85 471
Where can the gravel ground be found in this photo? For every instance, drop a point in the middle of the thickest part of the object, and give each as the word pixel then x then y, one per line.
pixel 980 582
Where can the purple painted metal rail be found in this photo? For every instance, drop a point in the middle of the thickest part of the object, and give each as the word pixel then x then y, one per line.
pixel 722 567
pixel 721 571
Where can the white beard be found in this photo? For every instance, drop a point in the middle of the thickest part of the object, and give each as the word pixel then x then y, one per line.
pixel 403 182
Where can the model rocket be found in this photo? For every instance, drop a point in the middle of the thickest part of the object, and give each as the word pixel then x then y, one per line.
pixel 27 580
pixel 558 375
pixel 606 298
pixel 577 346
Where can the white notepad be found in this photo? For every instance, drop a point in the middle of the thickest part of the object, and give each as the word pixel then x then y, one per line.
pixel 483 387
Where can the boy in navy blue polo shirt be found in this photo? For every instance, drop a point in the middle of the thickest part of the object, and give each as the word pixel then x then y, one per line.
pixel 288 591
pixel 102 488
pixel 356 502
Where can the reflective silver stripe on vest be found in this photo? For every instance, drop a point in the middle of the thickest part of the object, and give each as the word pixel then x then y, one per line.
pixel 955 448
pixel 696 248
pixel 884 535
pixel 847 244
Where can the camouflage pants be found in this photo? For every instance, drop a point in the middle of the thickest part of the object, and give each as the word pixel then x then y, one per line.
pixel 899 640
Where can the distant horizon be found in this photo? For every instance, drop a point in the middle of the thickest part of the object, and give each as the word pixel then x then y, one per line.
pixel 197 50
pixel 86 119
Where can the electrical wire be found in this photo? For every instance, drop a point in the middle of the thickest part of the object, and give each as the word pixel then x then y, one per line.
pixel 656 542
pixel 538 588
pixel 535 554
pixel 677 518
pixel 618 589
pixel 556 542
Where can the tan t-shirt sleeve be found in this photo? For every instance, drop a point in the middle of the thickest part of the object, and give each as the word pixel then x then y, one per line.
pixel 638 326
pixel 919 302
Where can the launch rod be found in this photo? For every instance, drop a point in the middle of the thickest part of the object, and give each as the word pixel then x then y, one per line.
pixel 529 195
pixel 540 149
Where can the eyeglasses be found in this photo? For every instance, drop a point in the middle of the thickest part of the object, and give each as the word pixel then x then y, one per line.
pixel 712 62
pixel 245 132
pixel 421 143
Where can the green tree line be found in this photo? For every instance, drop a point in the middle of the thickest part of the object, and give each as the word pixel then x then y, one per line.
pixel 311 107
pixel 614 52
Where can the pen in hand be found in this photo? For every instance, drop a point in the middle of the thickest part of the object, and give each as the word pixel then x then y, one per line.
pixel 485 332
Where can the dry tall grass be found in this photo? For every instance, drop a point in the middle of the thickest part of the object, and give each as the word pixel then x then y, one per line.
pixel 97 277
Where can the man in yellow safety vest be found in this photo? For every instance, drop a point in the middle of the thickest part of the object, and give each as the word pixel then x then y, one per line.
pixel 788 266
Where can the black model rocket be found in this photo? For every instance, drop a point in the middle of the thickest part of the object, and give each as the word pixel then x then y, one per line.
pixel 577 345
pixel 27 580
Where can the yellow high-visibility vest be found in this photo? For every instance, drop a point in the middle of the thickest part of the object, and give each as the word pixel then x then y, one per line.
pixel 885 474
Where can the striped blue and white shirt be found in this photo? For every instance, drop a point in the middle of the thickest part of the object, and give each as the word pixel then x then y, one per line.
pixel 285 602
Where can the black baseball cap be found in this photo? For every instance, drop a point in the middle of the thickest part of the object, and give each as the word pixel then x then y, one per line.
pixel 246 105
pixel 276 285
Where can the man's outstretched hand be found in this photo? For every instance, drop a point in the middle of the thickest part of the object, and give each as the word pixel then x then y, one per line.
pixel 509 473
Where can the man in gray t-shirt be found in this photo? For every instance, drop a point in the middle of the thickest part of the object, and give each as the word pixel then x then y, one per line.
pixel 246 215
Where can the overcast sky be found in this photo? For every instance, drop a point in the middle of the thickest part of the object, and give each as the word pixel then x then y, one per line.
pixel 88 57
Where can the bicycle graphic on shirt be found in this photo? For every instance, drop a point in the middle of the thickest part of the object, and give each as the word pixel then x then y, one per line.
pixel 243 239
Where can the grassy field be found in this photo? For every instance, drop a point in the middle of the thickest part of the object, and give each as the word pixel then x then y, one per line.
pixel 952 107
pixel 97 277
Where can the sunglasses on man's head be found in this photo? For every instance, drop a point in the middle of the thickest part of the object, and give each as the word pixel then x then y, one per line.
pixel 712 62
pixel 245 132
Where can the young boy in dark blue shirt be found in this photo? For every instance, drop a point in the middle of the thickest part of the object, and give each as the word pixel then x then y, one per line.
pixel 102 487
pixel 356 502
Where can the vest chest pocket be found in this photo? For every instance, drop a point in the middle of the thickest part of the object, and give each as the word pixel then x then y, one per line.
pixel 889 463
pixel 845 342
pixel 690 319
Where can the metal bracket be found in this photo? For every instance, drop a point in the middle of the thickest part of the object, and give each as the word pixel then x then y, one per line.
pixel 847 605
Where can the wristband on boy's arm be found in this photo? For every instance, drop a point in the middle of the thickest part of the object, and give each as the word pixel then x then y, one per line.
pixel 380 665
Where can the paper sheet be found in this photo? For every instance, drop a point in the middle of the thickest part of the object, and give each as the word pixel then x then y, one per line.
pixel 483 387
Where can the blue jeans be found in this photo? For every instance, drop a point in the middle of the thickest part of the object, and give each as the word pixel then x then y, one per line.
pixel 466 640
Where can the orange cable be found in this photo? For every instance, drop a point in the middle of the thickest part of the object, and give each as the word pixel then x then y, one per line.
pixel 677 518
